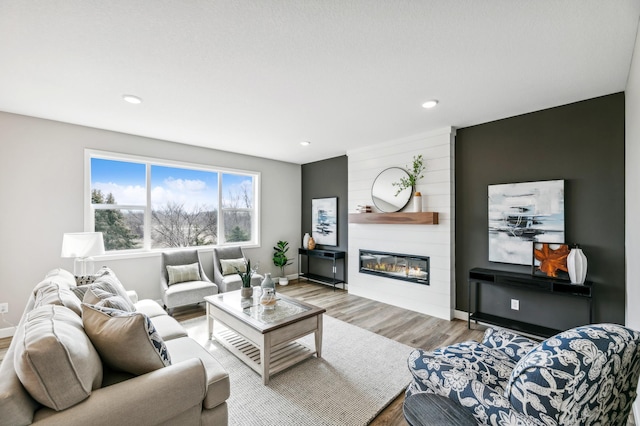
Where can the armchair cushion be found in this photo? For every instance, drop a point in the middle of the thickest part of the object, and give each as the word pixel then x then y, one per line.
pixel 183 273
pixel 586 375
pixel 126 341
pixel 512 344
pixel 232 266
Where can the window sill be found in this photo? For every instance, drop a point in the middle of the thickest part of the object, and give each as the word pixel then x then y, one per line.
pixel 157 252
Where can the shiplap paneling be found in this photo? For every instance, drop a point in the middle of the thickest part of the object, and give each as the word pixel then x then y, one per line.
pixel 435 241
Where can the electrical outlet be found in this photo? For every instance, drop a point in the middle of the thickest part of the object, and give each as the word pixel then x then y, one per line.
pixel 4 308
pixel 515 304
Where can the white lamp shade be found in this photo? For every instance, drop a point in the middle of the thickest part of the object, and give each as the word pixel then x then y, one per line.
pixel 82 244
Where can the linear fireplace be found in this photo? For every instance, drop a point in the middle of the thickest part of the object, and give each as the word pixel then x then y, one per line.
pixel 405 267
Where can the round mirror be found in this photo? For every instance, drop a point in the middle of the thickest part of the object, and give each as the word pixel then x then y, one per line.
pixel 385 195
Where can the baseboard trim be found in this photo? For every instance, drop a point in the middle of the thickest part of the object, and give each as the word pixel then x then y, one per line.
pixel 7 332
pixel 461 315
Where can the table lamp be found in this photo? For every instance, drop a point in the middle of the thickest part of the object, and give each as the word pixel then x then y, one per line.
pixel 81 246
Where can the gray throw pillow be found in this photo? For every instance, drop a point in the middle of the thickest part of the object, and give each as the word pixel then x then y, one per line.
pixel 126 341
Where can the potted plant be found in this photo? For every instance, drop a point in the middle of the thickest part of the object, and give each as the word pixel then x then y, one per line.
pixel 414 175
pixel 280 259
pixel 245 276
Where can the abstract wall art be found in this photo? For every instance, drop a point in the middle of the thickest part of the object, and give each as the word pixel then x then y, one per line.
pixel 324 221
pixel 521 214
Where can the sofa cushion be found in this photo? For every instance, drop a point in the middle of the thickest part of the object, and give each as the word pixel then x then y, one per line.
pixel 232 266
pixel 183 273
pixel 150 308
pixel 57 294
pixel 218 387
pixel 54 359
pixel 97 296
pixel 126 341
pixel 168 327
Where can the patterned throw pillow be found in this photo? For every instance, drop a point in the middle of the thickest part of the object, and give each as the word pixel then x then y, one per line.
pixel 183 273
pixel 126 341
pixel 99 297
pixel 229 266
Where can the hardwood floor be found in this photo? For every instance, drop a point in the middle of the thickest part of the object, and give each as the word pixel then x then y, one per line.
pixel 408 327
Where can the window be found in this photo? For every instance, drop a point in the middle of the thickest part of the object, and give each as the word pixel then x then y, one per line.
pixel 144 204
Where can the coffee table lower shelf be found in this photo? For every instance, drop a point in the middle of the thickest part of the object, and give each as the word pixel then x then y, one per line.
pixel 282 357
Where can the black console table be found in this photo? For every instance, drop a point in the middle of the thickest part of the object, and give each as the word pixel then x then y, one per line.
pixel 332 255
pixel 528 282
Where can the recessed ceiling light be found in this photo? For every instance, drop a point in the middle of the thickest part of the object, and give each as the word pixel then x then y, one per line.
pixel 430 104
pixel 132 99
pixel 305 143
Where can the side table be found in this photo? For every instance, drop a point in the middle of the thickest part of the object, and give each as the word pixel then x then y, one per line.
pixel 428 409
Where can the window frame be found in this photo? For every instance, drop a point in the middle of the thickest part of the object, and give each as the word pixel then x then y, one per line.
pixel 148 162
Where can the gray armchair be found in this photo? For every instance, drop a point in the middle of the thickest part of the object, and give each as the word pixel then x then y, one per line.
pixel 229 282
pixel 187 292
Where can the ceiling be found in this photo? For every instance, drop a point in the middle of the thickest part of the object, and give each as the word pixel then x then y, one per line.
pixel 259 76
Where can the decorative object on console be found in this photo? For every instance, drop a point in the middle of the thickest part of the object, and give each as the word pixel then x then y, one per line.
pixel 577 265
pixel 81 246
pixel 364 209
pixel 521 213
pixel 312 244
pixel 382 191
pixel 280 260
pixel 324 220
pixel 550 260
pixel 417 202
pixel 305 240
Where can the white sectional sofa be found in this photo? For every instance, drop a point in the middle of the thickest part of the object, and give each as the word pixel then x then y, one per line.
pixel 84 362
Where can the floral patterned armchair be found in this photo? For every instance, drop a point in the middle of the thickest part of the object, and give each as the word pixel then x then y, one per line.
pixel 587 376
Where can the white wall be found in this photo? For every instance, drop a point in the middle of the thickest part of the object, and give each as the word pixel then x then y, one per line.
pixel 632 197
pixel 41 185
pixel 435 241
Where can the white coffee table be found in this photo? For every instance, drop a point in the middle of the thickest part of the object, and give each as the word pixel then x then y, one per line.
pixel 265 340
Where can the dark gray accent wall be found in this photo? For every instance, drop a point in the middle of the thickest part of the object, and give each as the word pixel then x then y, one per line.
pixel 321 179
pixel 582 143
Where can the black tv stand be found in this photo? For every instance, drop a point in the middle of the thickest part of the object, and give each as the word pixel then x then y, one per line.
pixel 528 282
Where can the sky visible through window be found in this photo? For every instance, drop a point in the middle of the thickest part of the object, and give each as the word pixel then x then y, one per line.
pixel 189 187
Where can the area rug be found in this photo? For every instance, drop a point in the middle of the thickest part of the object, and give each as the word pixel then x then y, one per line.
pixel 359 374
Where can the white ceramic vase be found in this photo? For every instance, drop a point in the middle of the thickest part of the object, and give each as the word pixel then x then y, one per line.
pixel 577 266
pixel 417 202
pixel 305 241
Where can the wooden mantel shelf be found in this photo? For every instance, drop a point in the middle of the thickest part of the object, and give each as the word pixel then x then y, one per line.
pixel 424 218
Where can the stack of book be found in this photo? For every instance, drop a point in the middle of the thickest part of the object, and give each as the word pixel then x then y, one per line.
pixel 364 209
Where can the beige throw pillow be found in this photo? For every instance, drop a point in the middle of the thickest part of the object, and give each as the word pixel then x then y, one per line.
pixel 229 266
pixel 183 273
pixel 54 359
pixel 126 341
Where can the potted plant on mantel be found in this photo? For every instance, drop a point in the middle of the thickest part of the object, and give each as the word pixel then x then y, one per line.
pixel 280 260
pixel 414 175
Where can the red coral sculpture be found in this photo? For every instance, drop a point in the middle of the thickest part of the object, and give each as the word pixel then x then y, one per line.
pixel 552 260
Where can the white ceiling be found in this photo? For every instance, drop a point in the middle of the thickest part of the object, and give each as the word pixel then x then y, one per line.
pixel 259 76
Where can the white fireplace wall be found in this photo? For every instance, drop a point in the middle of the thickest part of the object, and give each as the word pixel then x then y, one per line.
pixel 435 241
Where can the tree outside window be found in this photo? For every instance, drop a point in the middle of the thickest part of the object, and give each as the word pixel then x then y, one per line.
pixel 180 204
